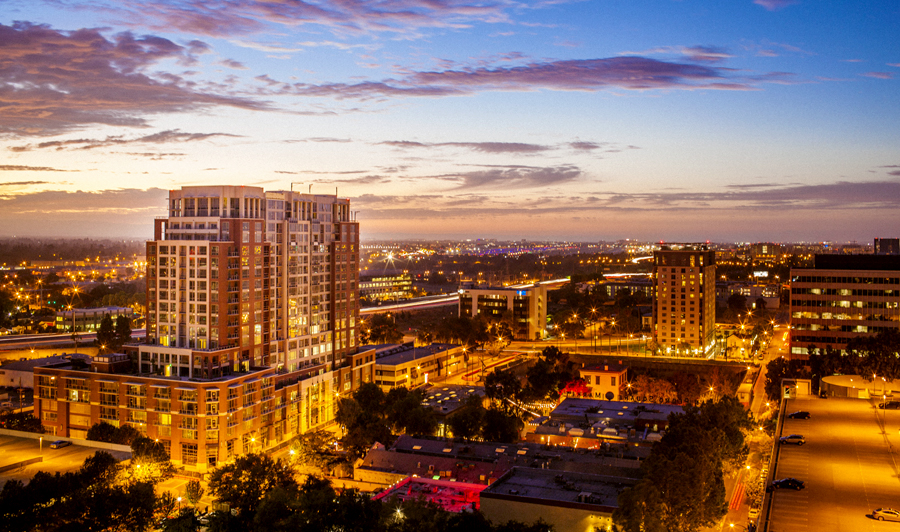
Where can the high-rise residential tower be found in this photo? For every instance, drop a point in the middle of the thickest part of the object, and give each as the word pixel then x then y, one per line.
pixel 251 330
pixel 241 277
pixel 684 301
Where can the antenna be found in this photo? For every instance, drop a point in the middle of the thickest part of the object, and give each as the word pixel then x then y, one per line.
pixel 294 183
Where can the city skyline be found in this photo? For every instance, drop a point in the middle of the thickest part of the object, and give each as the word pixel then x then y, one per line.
pixel 679 121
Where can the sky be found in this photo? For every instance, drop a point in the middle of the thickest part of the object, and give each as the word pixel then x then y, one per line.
pixel 743 120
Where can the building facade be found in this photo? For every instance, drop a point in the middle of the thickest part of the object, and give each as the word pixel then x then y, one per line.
pixel 684 298
pixel 88 319
pixel 526 304
pixel 843 297
pixel 252 320
pixel 409 366
pixel 385 287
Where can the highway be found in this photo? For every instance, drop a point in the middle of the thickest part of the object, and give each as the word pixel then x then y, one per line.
pixel 443 300
pixel 28 341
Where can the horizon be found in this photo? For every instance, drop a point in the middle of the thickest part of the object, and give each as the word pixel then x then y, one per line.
pixel 682 121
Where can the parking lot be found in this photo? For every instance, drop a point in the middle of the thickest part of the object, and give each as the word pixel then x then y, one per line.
pixel 13 450
pixel 849 465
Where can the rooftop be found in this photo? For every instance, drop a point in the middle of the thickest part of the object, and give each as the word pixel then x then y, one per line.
pixel 450 496
pixel 575 490
pixel 446 398
pixel 392 354
pixel 858 262
pixel 31 363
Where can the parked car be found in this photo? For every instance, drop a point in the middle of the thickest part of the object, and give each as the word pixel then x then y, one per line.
pixel 889 406
pixel 796 439
pixel 800 414
pixel 59 444
pixel 886 514
pixel 783 483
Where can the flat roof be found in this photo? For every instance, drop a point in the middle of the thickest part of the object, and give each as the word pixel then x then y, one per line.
pixel 403 354
pixel 450 496
pixel 568 489
pixel 31 363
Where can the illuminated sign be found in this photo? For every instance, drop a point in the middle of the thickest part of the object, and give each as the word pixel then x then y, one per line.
pixel 760 274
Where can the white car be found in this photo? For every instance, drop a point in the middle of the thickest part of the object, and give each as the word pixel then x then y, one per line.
pixel 886 514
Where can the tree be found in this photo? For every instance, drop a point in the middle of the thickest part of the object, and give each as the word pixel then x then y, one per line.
pixel 737 303
pixel 243 484
pixel 467 421
pixel 315 450
pixel 123 331
pixel 500 426
pixel 149 461
pixel 383 330
pixel 23 421
pixel 503 387
pixel 779 369
pixel 106 335
pixel 193 491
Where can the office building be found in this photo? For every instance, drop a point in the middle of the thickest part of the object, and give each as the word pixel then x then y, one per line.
pixel 410 367
pixel 684 299
pixel 841 298
pixel 251 328
pixel 88 319
pixel 887 246
pixel 527 305
pixel 385 287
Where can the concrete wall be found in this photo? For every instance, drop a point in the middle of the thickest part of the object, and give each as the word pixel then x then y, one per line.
pixel 75 441
pixel 374 476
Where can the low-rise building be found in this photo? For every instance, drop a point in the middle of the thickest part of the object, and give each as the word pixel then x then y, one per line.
pixel 88 319
pixel 20 373
pixel 527 304
pixel 577 502
pixel 385 287
pixel 484 462
pixel 410 366
pixel 605 380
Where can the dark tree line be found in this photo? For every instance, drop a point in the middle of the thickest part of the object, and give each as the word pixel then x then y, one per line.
pixel 683 486
pixel 871 357
pixel 102 495
pixel 370 415
pixel 264 495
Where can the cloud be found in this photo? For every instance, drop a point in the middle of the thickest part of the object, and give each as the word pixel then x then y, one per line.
pixel 484 147
pixel 706 54
pixel 878 75
pixel 22 183
pixel 231 63
pixel 105 213
pixel 775 5
pixel 629 72
pixel 55 81
pixel 170 135
pixel 227 18
pixel 515 177
pixel 19 168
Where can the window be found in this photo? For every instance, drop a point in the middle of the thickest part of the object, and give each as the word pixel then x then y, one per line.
pixel 189 453
pixel 612 381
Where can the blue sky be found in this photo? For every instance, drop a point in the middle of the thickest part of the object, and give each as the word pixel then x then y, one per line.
pixel 662 120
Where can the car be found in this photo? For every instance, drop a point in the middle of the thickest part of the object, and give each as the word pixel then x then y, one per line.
pixel 885 514
pixel 796 439
pixel 59 444
pixel 800 414
pixel 786 483
pixel 889 406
